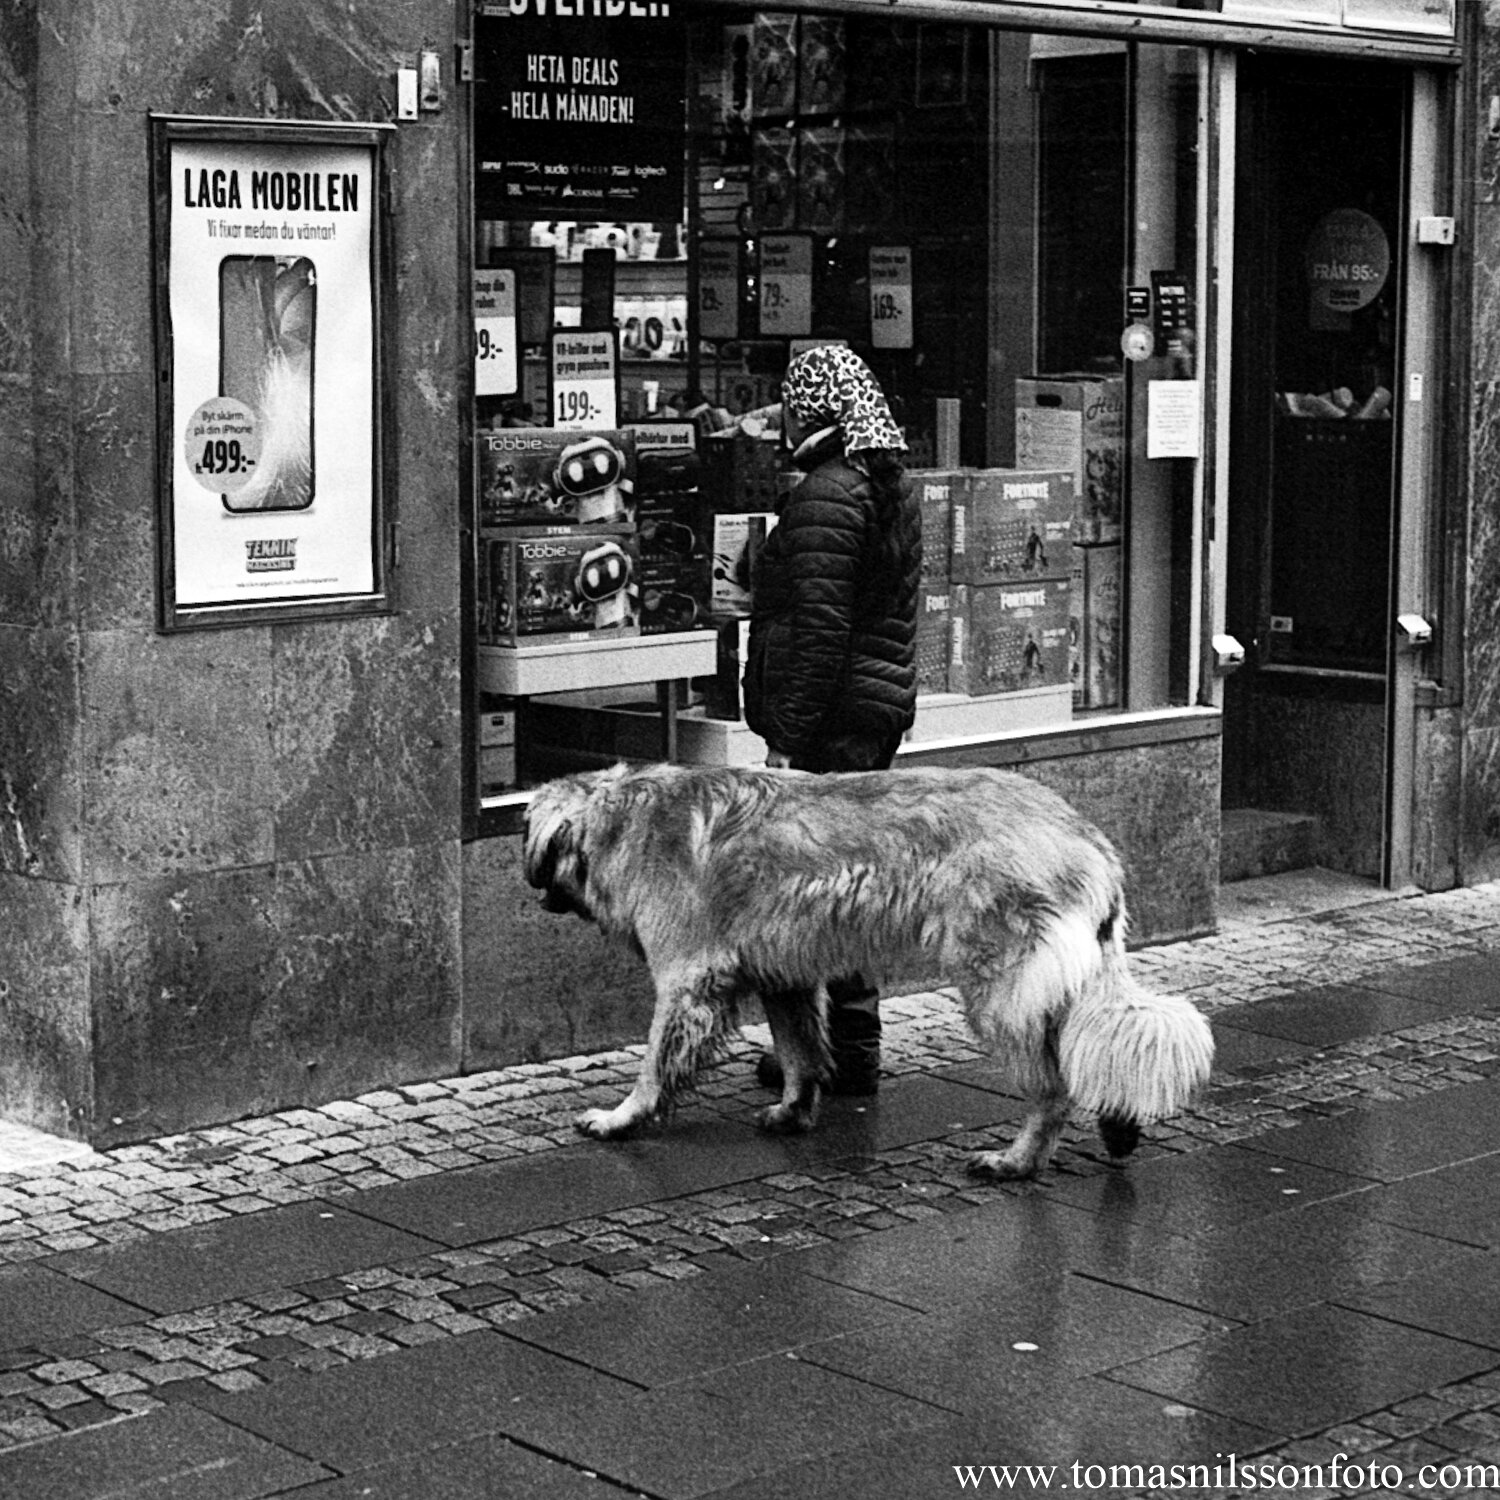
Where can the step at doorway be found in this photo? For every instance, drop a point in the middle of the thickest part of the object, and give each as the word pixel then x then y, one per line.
pixel 1254 842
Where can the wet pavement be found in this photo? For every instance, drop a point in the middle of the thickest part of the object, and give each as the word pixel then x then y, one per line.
pixel 440 1290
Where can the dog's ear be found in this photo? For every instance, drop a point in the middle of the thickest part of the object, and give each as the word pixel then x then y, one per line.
pixel 556 865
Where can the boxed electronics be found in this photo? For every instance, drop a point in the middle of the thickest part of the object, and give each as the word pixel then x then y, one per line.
pixel 674 559
pixel 737 539
pixel 1008 636
pixel 1011 524
pixel 1077 423
pixel 1096 632
pixel 934 624
pixel 559 581
pixel 934 491
pixel 548 476
pixel 497 750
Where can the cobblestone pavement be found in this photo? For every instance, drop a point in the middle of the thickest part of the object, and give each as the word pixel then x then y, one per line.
pixel 126 1195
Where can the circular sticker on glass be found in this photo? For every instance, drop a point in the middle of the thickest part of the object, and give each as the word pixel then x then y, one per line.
pixel 222 445
pixel 1348 259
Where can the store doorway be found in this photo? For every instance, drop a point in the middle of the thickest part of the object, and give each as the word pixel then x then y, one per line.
pixel 1314 466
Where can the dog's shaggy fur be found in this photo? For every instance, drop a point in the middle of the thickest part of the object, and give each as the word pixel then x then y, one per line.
pixel 740 882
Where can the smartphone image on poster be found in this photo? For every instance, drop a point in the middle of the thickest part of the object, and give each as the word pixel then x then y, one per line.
pixel 268 307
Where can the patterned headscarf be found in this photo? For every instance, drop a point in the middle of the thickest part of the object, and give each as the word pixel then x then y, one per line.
pixel 830 385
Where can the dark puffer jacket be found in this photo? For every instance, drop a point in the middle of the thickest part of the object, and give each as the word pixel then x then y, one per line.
pixel 831 678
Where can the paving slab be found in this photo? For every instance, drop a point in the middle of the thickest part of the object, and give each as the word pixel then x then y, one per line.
pixel 1470 983
pixel 990 1357
pixel 38 1304
pixel 486 1468
pixel 1020 1245
pixel 1460 1202
pixel 659 1337
pixel 1089 1423
pixel 689 1440
pixel 1335 1013
pixel 1399 1139
pixel 1460 1302
pixel 379 1411
pixel 1238 1052
pixel 1306 1370
pixel 694 1152
pixel 1205 1190
pixel 175 1452
pixel 233 1257
pixel 918 1107
pixel 474 1204
pixel 1251 1272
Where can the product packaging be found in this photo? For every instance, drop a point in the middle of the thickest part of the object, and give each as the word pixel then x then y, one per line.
pixel 1012 524
pixel 1095 626
pixel 1006 637
pixel 561 582
pixel 934 627
pixel 1077 423
pixel 549 476
pixel 935 489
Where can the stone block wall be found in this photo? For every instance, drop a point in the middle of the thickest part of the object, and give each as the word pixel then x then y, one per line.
pixel 229 859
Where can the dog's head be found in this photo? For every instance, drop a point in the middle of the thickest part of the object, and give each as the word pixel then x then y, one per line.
pixel 558 823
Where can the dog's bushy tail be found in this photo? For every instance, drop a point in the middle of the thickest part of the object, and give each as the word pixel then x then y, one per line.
pixel 1132 1056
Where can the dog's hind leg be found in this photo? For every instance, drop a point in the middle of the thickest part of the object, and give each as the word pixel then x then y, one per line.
pixel 696 1007
pixel 799 1032
pixel 1037 1072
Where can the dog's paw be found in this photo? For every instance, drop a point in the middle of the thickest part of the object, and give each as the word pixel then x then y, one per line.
pixel 786 1119
pixel 604 1124
pixel 999 1166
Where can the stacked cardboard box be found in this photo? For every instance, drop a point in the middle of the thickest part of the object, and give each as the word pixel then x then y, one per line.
pixel 1077 422
pixel 997 562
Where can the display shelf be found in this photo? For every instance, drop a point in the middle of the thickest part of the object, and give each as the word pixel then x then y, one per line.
pixel 632 734
pixel 572 665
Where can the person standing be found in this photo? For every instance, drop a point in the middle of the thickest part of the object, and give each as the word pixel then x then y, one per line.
pixel 830 678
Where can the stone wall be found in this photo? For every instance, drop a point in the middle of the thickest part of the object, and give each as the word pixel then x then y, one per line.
pixel 229 860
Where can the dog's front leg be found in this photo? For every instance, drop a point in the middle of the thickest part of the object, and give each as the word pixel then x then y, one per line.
pixel 799 1031
pixel 694 1007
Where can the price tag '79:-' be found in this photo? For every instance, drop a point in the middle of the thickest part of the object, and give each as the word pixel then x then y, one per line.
pixel 585 378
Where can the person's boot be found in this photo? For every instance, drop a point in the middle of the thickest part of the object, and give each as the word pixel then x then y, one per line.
pixel 854 1038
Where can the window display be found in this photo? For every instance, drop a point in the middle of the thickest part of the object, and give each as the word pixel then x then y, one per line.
pixel 928 194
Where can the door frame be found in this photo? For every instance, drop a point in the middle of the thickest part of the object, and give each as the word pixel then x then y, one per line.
pixel 1413 586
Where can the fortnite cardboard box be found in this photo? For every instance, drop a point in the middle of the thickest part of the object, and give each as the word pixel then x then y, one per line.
pixel 1094 629
pixel 560 581
pixel 1077 423
pixel 935 489
pixel 549 476
pixel 1008 636
pixel 1012 524
pixel 934 626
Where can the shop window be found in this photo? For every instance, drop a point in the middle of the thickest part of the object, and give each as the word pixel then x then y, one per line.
pixel 981 214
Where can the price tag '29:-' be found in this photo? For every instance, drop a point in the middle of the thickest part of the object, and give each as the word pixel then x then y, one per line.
pixel 585 379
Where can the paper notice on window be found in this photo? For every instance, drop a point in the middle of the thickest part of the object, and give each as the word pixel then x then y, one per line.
pixel 1173 424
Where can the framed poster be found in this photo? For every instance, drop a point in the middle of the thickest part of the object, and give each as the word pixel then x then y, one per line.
pixel 270 392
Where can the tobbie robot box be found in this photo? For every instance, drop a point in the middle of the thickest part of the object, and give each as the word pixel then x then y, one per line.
pixel 546 476
pixel 561 581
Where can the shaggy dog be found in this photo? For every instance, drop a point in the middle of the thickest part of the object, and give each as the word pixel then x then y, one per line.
pixel 732 883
